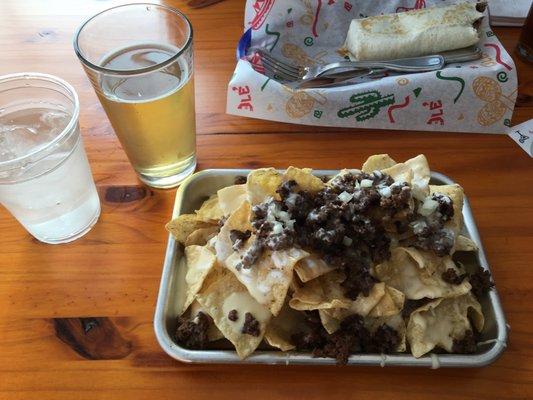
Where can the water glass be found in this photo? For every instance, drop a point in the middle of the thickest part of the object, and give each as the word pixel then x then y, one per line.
pixel 45 178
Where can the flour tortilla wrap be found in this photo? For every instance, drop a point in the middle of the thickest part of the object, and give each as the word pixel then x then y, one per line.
pixel 414 33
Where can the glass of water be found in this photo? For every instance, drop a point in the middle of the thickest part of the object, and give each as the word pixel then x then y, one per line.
pixel 139 60
pixel 45 178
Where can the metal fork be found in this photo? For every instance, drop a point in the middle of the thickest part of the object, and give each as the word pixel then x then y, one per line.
pixel 291 73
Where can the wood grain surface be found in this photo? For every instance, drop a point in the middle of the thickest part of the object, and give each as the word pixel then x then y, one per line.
pixel 55 300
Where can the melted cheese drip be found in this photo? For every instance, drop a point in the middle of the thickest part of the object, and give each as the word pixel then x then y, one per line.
pixel 435 363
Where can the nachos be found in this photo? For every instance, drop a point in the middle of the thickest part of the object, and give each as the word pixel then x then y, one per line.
pixel 360 262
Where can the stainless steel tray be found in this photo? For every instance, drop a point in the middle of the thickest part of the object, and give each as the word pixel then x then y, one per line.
pixel 205 183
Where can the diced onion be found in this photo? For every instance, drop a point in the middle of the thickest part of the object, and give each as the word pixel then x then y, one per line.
pixel 345 197
pixel 385 191
pixel 428 207
pixel 366 183
pixel 277 228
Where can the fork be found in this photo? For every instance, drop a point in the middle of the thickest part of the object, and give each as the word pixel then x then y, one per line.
pixel 202 3
pixel 291 73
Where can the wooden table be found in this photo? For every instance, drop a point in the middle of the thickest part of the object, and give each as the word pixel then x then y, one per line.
pixel 114 270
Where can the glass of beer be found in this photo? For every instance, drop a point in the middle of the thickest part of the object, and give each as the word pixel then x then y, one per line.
pixel 139 59
pixel 525 45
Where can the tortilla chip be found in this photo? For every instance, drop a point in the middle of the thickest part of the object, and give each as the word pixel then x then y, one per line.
pixel 341 173
pixel 185 224
pixel 382 301
pixel 305 179
pixel 262 183
pixel 418 274
pixel 440 322
pixel 421 175
pixel 200 261
pixel 269 278
pixel 396 322
pixel 400 173
pixel 181 286
pixel 230 198
pixel 201 236
pixel 320 293
pixel 283 326
pixel 213 333
pixel 295 283
pixel 312 267
pixel 330 323
pixel 456 193
pixel 463 243
pixel 229 294
pixel 363 305
pixel 210 210
pixel 377 162
pixel 239 220
pixel 390 304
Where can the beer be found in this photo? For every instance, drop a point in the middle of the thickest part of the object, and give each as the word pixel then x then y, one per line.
pixel 153 113
pixel 139 59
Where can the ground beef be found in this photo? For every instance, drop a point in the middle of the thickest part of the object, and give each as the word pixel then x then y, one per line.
pixel 411 305
pixel 264 219
pixel 324 223
pixel 399 199
pixel 384 340
pixel 445 206
pixel 325 178
pixel 351 337
pixel 233 315
pixel 251 255
pixel 238 238
pixel 192 334
pixel 401 226
pixel 251 325
pixel 430 232
pixel 285 189
pixel 357 281
pixel 279 241
pixel 481 282
pixel 466 345
pixel 450 276
pixel 240 180
pixel 339 346
pixel 314 336
pixel 435 238
pixel 222 221
pixel 306 341
pixel 347 224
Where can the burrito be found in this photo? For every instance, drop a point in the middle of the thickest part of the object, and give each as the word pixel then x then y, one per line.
pixel 414 33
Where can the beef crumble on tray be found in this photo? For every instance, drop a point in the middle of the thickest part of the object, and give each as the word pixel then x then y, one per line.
pixel 361 262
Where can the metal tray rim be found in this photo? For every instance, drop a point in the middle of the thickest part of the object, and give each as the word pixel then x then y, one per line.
pixel 295 358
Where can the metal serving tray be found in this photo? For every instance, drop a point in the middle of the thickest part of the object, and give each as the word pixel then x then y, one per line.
pixel 205 183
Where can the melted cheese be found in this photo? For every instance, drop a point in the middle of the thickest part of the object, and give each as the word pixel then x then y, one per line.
pixel 243 303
